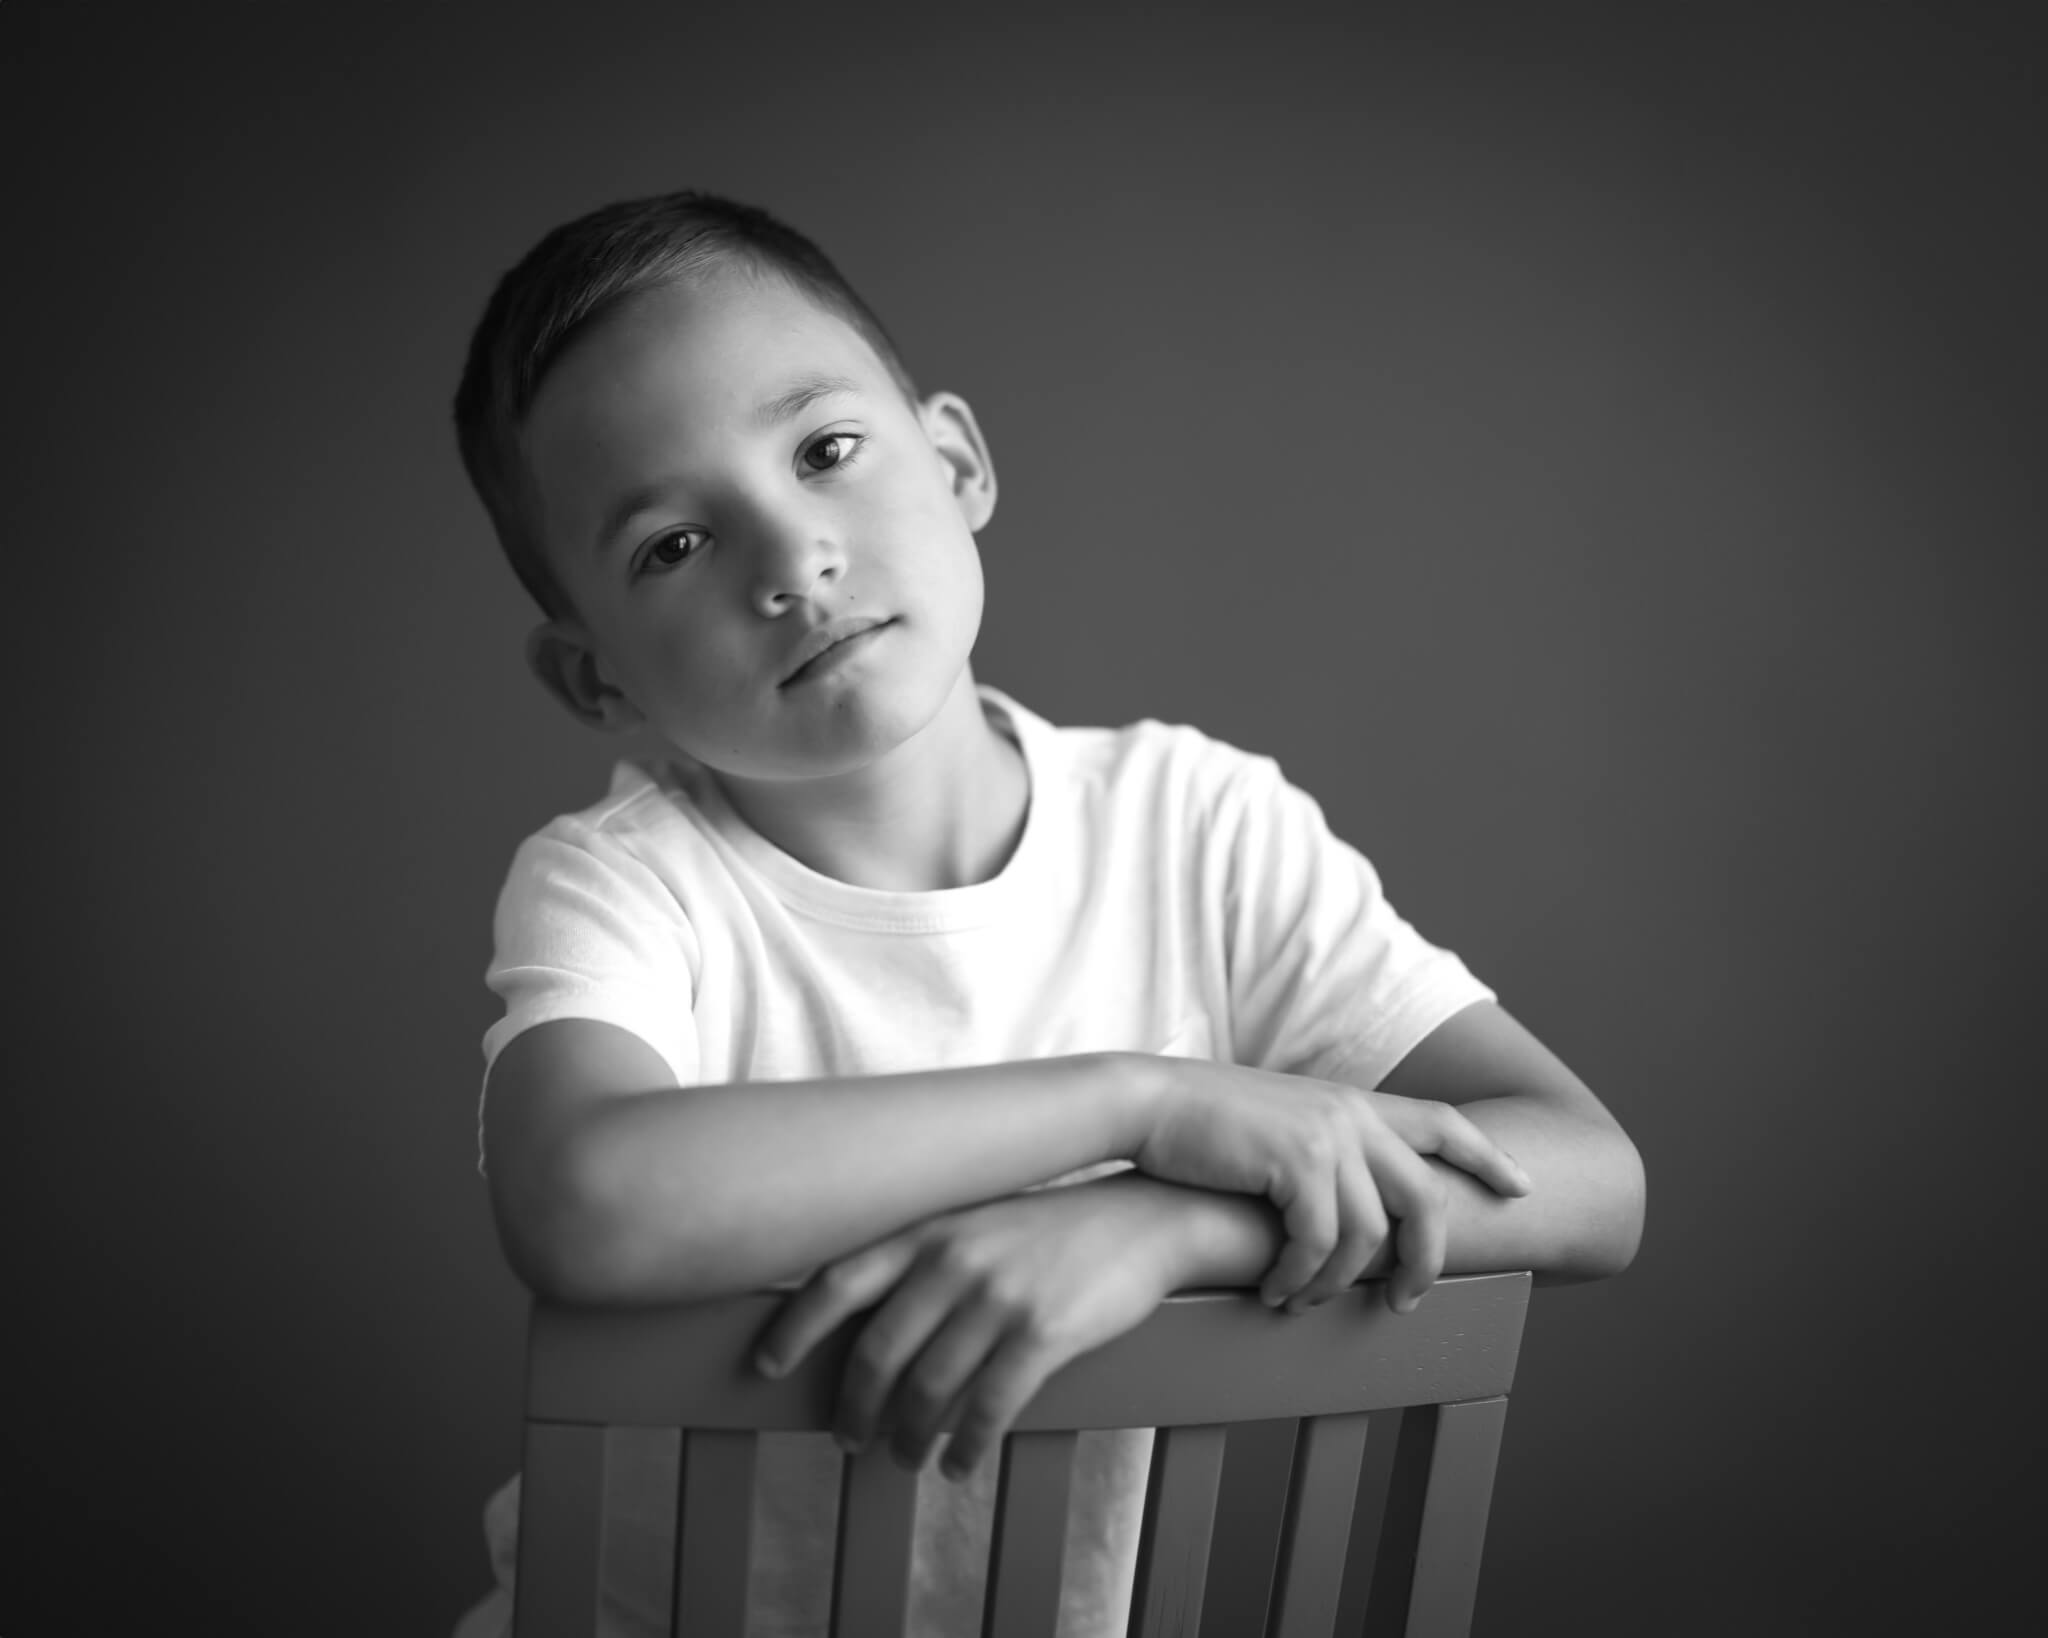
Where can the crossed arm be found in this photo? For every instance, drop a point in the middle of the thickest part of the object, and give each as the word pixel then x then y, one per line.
pixel 974 1308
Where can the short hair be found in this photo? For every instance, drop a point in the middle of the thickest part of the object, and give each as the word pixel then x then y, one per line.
pixel 572 278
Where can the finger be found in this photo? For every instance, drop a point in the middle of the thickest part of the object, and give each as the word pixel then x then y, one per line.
pixel 827 1299
pixel 1417 1197
pixel 994 1400
pixel 932 1383
pixel 1309 1215
pixel 897 1334
pixel 1460 1143
pixel 1362 1225
pixel 1345 1191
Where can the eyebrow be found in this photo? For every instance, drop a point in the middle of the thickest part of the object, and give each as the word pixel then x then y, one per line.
pixel 796 396
pixel 799 396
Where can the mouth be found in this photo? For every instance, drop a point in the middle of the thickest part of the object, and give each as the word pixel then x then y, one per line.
pixel 826 659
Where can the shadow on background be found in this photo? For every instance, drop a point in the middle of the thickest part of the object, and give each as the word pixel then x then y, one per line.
pixel 1597 454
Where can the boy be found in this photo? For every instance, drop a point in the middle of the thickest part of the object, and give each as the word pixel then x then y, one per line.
pixel 869 955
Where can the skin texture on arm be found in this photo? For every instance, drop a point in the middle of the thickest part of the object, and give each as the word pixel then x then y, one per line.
pixel 611 1184
pixel 1581 1220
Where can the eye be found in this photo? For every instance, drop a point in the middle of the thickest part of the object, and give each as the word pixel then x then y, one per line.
pixel 845 448
pixel 656 556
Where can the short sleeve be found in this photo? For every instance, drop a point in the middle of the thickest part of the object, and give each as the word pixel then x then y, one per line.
pixel 1325 978
pixel 584 929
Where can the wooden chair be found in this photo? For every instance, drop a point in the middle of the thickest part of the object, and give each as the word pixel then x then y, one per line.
pixel 1407 1553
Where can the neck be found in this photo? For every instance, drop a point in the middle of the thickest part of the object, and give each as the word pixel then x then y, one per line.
pixel 944 809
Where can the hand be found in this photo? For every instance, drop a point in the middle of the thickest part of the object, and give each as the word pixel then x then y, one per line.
pixel 1334 1160
pixel 977 1308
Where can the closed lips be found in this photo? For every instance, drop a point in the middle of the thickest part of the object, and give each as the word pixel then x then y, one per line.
pixel 824 639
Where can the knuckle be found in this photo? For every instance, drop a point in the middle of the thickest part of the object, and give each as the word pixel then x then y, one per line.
pixel 977 1418
pixel 1007 1292
pixel 919 1397
pixel 867 1365
pixel 1025 1316
pixel 1320 1147
pixel 1335 1105
pixel 837 1281
pixel 1472 1136
pixel 1356 1248
pixel 957 1261
pixel 1459 1127
pixel 1037 1330
pixel 1438 1123
pixel 977 1433
pixel 1014 1305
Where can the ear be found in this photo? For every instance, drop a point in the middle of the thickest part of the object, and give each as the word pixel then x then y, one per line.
pixel 562 656
pixel 950 425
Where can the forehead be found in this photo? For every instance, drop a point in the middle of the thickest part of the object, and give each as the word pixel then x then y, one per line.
pixel 690 362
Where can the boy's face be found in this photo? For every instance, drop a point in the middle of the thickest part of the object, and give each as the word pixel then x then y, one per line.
pixel 702 529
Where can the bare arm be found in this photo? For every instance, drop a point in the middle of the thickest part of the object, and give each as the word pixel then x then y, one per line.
pixel 1582 1220
pixel 612 1184
pixel 974 1309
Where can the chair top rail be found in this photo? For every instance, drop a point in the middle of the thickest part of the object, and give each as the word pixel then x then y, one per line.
pixel 691 1365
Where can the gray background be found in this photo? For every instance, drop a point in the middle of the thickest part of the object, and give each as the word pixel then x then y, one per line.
pixel 1596 451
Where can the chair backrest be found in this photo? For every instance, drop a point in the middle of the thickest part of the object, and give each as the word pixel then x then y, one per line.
pixel 1399 1551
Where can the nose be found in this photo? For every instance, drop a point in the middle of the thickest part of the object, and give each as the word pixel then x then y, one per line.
pixel 791 550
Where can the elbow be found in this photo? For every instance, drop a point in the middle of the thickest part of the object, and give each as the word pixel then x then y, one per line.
pixel 1611 1231
pixel 563 1230
pixel 605 1233
pixel 552 1247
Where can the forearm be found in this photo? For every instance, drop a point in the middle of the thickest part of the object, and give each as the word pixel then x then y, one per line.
pixel 695 1192
pixel 1580 1221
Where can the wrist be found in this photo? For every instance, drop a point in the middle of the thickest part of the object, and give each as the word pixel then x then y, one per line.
pixel 1202 1237
pixel 1231 1239
pixel 1135 1090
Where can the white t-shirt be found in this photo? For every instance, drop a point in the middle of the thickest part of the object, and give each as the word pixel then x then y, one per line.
pixel 1170 894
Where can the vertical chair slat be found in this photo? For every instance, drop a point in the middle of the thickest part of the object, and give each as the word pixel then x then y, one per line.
pixel 1428 1562
pixel 714 1535
pixel 871 1569
pixel 1173 1542
pixel 1244 1546
pixel 1453 1533
pixel 1386 1609
pixel 1368 1518
pixel 1316 1527
pixel 561 1530
pixel 1029 1540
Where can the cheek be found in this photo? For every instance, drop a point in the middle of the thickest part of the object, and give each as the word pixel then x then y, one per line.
pixel 674 661
pixel 961 577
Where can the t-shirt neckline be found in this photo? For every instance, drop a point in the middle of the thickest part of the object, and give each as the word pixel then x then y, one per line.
pixel 946 909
